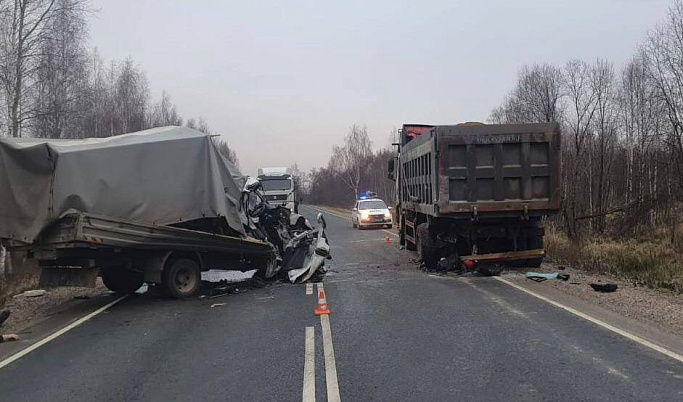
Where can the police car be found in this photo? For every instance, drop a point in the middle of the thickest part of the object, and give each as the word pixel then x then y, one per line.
pixel 370 211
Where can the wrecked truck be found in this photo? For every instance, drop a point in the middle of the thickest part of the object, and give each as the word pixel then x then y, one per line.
pixel 476 193
pixel 156 206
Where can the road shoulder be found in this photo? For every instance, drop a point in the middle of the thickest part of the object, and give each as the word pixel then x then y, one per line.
pixel 638 328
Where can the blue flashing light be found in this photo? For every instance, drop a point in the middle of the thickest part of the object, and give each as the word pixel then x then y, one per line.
pixel 363 197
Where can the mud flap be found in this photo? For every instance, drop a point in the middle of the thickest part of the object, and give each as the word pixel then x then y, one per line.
pixel 68 276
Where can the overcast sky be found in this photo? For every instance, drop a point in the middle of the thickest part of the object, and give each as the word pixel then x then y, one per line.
pixel 283 81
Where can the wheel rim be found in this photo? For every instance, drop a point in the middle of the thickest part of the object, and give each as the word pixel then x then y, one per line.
pixel 185 280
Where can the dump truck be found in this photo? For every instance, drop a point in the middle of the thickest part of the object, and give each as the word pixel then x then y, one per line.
pixel 156 206
pixel 476 191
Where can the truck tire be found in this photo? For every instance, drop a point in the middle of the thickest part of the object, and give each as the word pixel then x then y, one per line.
pixel 535 242
pixel 426 251
pixel 121 280
pixel 181 278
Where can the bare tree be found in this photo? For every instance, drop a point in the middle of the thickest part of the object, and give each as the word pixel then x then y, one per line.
pixel 24 27
pixel 662 53
pixel 580 113
pixel 349 161
pixel 226 151
pixel 165 113
pixel 536 97
pixel 61 88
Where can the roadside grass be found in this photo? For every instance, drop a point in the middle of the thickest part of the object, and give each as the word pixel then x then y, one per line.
pixel 647 262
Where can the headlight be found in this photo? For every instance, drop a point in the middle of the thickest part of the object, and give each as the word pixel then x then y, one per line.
pixel 364 214
pixel 387 215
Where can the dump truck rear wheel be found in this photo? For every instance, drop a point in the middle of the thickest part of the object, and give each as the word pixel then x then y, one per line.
pixel 535 242
pixel 181 278
pixel 426 250
pixel 121 280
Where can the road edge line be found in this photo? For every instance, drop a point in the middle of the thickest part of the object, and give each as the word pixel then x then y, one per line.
pixel 56 334
pixel 619 331
pixel 308 393
pixel 330 365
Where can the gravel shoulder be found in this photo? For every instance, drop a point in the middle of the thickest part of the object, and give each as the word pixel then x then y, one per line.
pixel 663 310
pixel 28 311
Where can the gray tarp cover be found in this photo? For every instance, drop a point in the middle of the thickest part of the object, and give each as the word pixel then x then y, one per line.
pixel 161 176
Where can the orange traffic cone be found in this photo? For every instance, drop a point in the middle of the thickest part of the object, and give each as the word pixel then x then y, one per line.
pixel 387 240
pixel 321 308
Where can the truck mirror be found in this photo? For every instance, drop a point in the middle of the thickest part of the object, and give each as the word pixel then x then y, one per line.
pixel 391 167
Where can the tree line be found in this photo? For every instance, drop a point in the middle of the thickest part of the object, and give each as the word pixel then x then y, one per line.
pixel 54 85
pixel 622 150
pixel 353 168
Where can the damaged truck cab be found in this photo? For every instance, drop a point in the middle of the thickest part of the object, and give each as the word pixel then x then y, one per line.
pixel 476 192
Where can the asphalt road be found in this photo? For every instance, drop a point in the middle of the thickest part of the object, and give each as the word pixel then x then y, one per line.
pixel 398 334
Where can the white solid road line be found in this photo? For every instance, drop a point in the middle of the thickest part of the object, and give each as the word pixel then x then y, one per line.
pixel 596 321
pixel 330 364
pixel 309 288
pixel 309 366
pixel 54 335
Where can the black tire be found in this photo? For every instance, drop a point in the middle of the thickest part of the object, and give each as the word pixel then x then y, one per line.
pixel 181 278
pixel 122 280
pixel 390 226
pixel 535 242
pixel 426 251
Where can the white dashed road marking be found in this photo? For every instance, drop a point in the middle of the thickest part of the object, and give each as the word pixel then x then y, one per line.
pixel 309 366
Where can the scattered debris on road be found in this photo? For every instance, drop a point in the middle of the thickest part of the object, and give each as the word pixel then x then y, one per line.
pixel 540 277
pixel 604 287
pixel 32 293
pixel 9 338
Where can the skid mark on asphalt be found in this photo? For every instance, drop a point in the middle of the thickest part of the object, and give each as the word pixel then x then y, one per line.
pixel 502 303
pixel 602 363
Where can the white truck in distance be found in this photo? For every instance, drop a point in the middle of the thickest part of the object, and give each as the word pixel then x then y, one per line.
pixel 278 187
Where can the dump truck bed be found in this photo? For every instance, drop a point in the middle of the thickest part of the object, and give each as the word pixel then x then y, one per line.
pixel 499 169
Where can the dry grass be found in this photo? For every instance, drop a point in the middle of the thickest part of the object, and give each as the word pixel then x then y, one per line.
pixel 652 263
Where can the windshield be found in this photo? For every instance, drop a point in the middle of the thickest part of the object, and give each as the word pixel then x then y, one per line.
pixel 276 184
pixel 378 204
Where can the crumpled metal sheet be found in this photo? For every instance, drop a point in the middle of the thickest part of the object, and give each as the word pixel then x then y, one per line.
pixel 320 251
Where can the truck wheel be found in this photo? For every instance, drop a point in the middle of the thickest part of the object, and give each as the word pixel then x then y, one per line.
pixel 181 278
pixel 535 242
pixel 121 280
pixel 426 251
